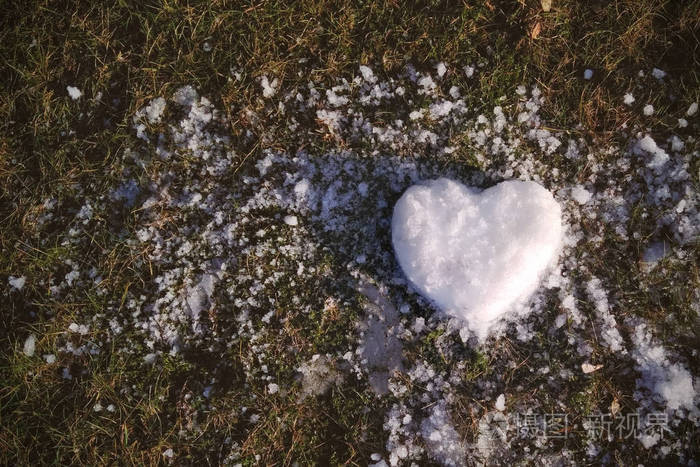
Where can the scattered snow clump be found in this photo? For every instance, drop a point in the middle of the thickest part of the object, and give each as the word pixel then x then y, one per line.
pixel 74 92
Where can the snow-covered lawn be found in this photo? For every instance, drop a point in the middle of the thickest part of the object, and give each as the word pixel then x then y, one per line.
pixel 282 269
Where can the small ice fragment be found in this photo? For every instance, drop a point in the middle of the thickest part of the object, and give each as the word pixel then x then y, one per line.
pixel 692 110
pixel 648 110
pixel 272 388
pixel 588 74
pixel 291 220
pixel 628 99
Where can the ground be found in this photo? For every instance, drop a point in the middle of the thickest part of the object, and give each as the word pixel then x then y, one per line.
pixel 197 263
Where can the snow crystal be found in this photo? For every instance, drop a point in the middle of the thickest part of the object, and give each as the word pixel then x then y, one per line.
pixel 272 388
pixel 648 110
pixel 588 74
pixel 29 345
pixel 476 254
pixel 17 282
pixel 50 358
pixel 629 99
pixel 682 123
pixel 74 92
pixel 692 110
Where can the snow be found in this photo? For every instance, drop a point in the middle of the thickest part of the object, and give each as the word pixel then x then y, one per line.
pixel 74 92
pixel 273 388
pixel 17 282
pixel 291 220
pixel 441 69
pixel 501 403
pixel 692 109
pixel 476 254
pixel 658 74
pixel 580 194
pixel 588 74
pixel 154 110
pixel 648 110
pixel 269 87
pixel 660 157
pixel 628 99
pixel 29 345
pixel 368 74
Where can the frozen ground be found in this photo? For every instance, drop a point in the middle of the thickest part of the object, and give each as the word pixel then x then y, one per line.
pixel 267 252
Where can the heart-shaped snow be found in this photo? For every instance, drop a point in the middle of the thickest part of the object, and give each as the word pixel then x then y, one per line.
pixel 476 254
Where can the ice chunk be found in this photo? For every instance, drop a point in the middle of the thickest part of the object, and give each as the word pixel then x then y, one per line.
pixel 648 110
pixel 476 254
pixel 588 74
pixel 692 110
pixel 628 99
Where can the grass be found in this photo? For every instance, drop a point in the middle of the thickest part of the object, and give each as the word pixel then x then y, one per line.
pixel 129 52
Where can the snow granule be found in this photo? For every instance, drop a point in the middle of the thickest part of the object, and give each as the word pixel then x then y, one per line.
pixel 169 453
pixel 16 282
pixel 29 345
pixel 50 358
pixel 272 388
pixel 682 123
pixel 74 92
pixel 291 220
pixel 692 110
pixel 588 74
pixel 628 99
pixel 476 254
pixel 648 110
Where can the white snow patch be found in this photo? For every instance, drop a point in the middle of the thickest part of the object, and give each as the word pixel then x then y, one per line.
pixel 628 99
pixel 269 87
pixel 588 74
pixel 648 110
pixel 692 110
